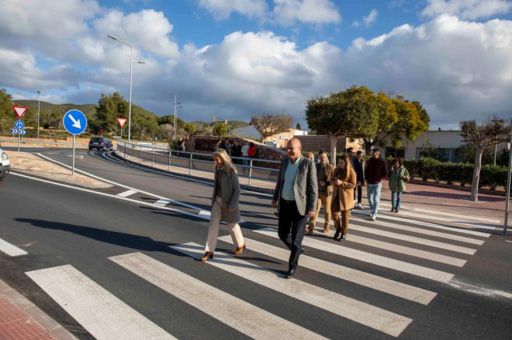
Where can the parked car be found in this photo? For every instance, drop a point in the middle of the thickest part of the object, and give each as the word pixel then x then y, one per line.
pixel 100 143
pixel 5 164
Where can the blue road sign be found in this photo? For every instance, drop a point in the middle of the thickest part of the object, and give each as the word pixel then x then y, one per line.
pixel 75 122
pixel 14 131
pixel 22 131
pixel 19 124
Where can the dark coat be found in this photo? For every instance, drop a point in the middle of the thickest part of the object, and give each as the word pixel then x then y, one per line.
pixel 230 188
pixel 305 188
pixel 358 168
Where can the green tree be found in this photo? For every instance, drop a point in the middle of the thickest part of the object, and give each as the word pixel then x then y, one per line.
pixel 271 124
pixel 481 137
pixel 351 113
pixel 220 129
pixel 107 110
pixel 6 115
pixel 298 127
pixel 190 129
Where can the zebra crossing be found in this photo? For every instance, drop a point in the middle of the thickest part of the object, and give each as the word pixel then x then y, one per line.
pixel 380 244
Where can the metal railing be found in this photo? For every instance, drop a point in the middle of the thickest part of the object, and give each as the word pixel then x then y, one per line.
pixel 251 168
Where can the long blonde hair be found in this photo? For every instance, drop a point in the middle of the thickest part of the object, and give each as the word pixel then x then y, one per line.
pixel 227 163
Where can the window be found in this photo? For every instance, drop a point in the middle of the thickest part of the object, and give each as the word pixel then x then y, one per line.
pixel 394 152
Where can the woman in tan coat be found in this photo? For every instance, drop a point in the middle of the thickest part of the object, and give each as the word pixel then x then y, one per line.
pixel 225 205
pixel 344 181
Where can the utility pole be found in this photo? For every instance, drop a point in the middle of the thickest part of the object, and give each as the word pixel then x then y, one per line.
pixel 175 120
pixel 509 175
pixel 38 112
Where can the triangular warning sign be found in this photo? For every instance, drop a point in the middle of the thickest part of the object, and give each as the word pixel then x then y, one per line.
pixel 121 121
pixel 19 111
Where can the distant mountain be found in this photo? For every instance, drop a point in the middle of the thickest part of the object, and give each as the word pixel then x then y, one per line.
pixel 88 109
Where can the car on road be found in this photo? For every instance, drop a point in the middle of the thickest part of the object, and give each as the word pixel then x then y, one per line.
pixel 100 143
pixel 5 164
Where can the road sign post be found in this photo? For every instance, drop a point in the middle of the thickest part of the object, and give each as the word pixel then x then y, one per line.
pixel 75 122
pixel 121 122
pixel 19 125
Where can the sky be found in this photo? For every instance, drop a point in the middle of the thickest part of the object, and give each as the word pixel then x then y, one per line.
pixel 235 58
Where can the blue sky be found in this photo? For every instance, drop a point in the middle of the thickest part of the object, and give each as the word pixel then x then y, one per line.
pixel 236 58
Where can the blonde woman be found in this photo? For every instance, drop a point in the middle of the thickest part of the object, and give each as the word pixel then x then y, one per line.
pixel 344 181
pixel 225 205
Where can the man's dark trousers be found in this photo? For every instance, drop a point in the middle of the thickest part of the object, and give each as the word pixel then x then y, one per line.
pixel 291 229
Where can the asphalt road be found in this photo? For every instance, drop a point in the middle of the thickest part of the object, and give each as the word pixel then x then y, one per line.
pixel 63 226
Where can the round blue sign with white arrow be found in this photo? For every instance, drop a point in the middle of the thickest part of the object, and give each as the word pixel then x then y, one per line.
pixel 19 124
pixel 75 122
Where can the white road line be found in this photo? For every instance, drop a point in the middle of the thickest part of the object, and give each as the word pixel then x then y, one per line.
pixel 381 261
pixel 234 312
pixel 11 249
pixel 424 231
pixel 433 212
pixel 112 196
pixel 424 224
pixel 371 316
pixel 361 278
pixel 127 193
pixel 413 239
pixel 396 248
pixel 162 202
pixel 120 185
pixel 97 310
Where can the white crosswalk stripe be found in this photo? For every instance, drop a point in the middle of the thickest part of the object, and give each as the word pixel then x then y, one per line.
pixel 112 318
pixel 378 260
pixel 11 249
pixel 423 224
pixel 384 285
pixel 127 193
pixel 374 317
pixel 162 202
pixel 244 317
pixel 96 309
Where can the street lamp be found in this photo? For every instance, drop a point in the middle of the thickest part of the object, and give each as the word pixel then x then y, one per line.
pixel 176 107
pixel 131 78
pixel 38 112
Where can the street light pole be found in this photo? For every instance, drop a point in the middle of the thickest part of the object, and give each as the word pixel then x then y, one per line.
pixel 175 127
pixel 131 79
pixel 38 112
pixel 507 203
pixel 130 98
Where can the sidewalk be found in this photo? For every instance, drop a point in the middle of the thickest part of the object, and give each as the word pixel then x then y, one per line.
pixel 20 319
pixel 436 199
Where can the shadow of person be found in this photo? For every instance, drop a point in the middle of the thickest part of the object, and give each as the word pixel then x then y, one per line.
pixel 131 241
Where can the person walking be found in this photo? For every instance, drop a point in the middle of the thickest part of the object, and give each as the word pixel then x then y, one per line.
pixel 344 181
pixel 295 197
pixel 375 171
pixel 398 178
pixel 225 205
pixel 358 168
pixel 324 173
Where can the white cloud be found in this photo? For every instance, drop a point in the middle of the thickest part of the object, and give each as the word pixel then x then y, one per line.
pixel 467 9
pixel 147 29
pixel 288 12
pixel 222 9
pixel 367 20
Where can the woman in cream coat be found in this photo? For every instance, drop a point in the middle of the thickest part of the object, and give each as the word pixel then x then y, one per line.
pixel 225 205
pixel 344 181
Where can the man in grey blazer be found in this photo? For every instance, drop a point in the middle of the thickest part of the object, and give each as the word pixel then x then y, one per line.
pixel 295 197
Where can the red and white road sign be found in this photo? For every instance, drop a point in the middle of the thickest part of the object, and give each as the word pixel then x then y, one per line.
pixel 19 110
pixel 121 121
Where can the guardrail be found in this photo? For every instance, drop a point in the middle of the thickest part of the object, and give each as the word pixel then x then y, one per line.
pixel 251 168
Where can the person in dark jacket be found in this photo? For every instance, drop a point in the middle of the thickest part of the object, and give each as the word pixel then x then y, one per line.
pixel 225 205
pixel 358 168
pixel 376 170
pixel 295 197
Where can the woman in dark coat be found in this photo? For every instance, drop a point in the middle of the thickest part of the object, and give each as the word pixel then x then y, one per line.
pixel 225 205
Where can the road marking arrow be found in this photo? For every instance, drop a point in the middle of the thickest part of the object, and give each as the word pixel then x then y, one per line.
pixel 76 123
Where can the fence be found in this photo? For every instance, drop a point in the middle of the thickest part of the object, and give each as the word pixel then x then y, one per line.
pixel 250 168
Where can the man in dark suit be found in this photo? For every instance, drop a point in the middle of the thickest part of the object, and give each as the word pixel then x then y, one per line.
pixel 295 197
